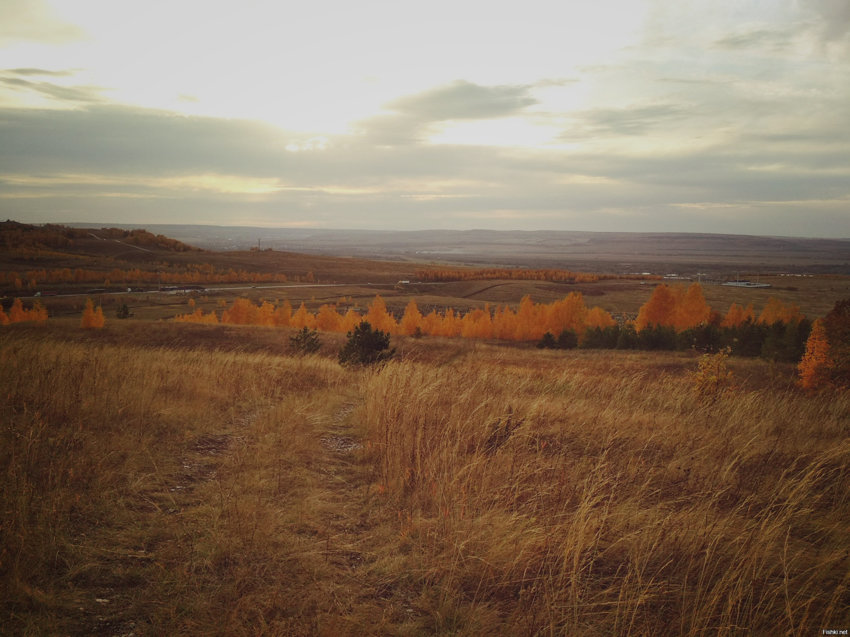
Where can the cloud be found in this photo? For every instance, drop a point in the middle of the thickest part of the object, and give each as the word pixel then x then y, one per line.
pixel 26 72
pixel 464 100
pixel 413 116
pixel 33 20
pixel 833 16
pixel 83 94
pixel 103 161
pixel 757 38
pixel 633 120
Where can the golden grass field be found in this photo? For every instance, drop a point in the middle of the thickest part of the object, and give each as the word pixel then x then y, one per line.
pixel 171 479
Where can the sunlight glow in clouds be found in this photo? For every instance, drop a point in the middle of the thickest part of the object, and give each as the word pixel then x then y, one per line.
pixel 619 114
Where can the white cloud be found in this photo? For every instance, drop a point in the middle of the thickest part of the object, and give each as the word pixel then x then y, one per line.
pixel 33 20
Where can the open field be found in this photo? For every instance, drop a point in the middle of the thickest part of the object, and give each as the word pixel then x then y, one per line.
pixel 104 262
pixel 815 295
pixel 174 478
pixel 162 478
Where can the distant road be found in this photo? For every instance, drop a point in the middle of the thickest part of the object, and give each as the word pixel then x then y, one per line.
pixel 129 245
pixel 235 287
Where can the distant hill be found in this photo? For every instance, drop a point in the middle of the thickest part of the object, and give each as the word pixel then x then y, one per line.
pixel 613 252
pixel 50 253
pixel 21 236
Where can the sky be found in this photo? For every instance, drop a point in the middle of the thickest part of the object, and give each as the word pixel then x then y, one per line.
pixel 724 116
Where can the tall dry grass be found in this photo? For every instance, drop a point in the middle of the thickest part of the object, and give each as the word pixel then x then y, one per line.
pixel 140 485
pixel 217 490
pixel 585 495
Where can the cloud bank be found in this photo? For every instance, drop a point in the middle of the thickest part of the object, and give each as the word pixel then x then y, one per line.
pixel 731 126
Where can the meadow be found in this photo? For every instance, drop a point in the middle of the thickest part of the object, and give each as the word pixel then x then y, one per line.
pixel 164 478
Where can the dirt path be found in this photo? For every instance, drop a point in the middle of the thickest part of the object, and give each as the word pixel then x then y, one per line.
pixel 359 532
pixel 345 487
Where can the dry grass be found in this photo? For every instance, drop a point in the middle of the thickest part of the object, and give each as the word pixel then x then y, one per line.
pixel 150 479
pixel 586 496
pixel 159 481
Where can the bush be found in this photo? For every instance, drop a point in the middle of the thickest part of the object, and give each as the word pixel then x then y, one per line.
pixel 305 342
pixel 705 338
pixel 601 338
pixel 657 337
pixel 712 377
pixel 567 339
pixel 365 346
pixel 123 312
pixel 547 342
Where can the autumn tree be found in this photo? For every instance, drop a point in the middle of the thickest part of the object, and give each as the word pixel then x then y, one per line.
pixel 283 314
pixel 816 366
pixel 692 310
pixel 241 312
pixel 328 319
pixel 738 315
pixel 378 316
pixel 302 318
pixel 17 314
pixel 92 317
pixel 570 313
pixel 659 310
pixel 775 311
pixel 597 317
pixel 411 320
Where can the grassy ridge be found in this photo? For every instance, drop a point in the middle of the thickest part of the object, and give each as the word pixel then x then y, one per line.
pixel 189 485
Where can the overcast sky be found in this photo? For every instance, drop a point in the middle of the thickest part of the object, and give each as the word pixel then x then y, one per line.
pixel 728 116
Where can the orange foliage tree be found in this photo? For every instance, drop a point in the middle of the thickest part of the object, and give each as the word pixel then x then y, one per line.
pixel 92 317
pixel 660 309
pixel 737 315
pixel 674 307
pixel 691 310
pixel 19 314
pixel 570 313
pixel 816 365
pixel 411 320
pixel 529 322
pixel 775 311
pixel 379 318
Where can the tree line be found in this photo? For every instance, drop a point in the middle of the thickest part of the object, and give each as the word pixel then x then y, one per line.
pixel 528 322
pixel 674 317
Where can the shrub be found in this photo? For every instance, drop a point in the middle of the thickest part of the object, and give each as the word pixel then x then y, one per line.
pixel 712 377
pixel 567 339
pixel 601 338
pixel 305 341
pixel 365 346
pixel 547 341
